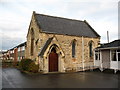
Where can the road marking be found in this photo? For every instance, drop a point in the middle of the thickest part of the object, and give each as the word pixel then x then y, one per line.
pixel 5 76
pixel 0 78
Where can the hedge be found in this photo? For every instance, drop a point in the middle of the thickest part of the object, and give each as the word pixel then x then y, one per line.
pixel 28 65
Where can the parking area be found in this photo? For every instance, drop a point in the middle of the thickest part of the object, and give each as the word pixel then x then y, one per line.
pixel 13 78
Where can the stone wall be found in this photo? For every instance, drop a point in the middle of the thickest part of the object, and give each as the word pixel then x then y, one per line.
pixel 66 44
pixel 33 26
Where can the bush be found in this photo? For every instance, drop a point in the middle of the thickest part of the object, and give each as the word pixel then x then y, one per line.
pixel 28 65
pixel 33 67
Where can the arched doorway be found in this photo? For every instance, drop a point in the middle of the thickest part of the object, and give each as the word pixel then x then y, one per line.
pixel 53 60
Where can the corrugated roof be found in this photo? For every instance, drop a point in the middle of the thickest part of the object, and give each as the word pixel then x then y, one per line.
pixel 115 43
pixel 58 25
pixel 45 47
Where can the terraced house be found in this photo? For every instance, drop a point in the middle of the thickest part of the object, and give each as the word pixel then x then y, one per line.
pixel 15 54
pixel 60 44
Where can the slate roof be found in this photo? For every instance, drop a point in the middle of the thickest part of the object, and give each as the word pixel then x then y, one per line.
pixel 45 47
pixel 58 25
pixel 115 43
pixel 22 44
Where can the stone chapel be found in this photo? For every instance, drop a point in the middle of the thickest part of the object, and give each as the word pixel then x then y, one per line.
pixel 59 44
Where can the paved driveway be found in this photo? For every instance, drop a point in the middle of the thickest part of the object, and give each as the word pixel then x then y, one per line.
pixel 13 78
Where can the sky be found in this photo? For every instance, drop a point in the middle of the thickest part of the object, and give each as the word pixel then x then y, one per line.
pixel 15 16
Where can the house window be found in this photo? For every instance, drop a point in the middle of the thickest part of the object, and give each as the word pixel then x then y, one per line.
pixel 119 56
pixel 18 49
pixel 23 57
pixel 32 42
pixel 90 49
pixel 18 58
pixel 114 55
pixel 118 51
pixel 73 48
pixel 23 48
pixel 97 55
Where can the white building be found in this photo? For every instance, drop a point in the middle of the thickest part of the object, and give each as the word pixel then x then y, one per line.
pixel 107 56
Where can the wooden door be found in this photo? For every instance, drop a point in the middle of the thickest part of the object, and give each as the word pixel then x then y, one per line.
pixel 53 62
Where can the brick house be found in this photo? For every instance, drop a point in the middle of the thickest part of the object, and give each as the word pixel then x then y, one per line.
pixel 1 57
pixel 15 54
pixel 20 54
pixel 59 44
pixel 11 53
pixel 6 55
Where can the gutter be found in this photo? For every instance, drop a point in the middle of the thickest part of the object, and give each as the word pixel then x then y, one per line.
pixel 107 48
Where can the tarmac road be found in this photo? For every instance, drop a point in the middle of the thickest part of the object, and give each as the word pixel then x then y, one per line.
pixel 13 78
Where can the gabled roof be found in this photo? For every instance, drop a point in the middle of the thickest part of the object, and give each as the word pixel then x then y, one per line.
pixel 45 47
pixel 58 25
pixel 22 44
pixel 114 44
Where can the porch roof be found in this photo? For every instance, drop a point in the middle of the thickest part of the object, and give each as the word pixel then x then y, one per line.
pixel 42 51
pixel 111 45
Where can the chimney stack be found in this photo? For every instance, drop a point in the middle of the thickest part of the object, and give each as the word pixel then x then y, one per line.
pixel 108 36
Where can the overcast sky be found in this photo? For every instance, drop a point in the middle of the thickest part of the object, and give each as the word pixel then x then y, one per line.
pixel 15 16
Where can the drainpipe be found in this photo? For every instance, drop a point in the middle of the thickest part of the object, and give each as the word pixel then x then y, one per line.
pixel 83 52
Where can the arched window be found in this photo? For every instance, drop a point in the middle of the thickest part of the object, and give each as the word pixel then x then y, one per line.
pixel 32 42
pixel 90 48
pixel 73 48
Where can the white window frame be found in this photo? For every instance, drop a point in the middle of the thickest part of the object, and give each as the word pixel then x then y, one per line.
pixel 18 49
pixel 117 54
pixel 23 48
pixel 113 64
pixel 112 55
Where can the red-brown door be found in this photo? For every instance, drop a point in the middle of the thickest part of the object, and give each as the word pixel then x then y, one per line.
pixel 53 62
